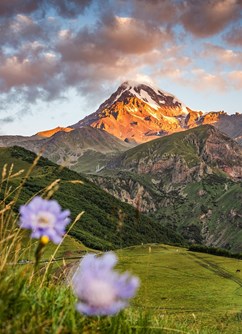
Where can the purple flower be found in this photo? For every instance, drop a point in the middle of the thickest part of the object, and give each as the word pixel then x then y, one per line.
pixel 44 218
pixel 100 289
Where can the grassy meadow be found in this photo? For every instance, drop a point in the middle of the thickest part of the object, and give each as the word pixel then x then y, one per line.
pixel 203 290
pixel 180 292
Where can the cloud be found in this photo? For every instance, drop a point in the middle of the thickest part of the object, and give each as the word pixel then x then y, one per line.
pixel 117 47
pixel 207 17
pixel 9 8
pixel 222 56
pixel 20 29
pixel 159 12
pixel 7 119
pixel 132 36
pixel 110 40
pixel 17 72
pixel 202 18
pixel 234 36
pixel 65 8
pixel 204 81
pixel 45 68
pixel 68 8
pixel 42 56
pixel 236 79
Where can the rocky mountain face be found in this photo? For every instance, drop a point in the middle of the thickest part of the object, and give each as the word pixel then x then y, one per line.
pixel 184 156
pixel 138 113
pixel 229 124
pixel 85 150
pixel 7 141
pixel 185 180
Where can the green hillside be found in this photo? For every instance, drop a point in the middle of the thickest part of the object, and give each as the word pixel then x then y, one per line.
pixel 107 222
pixel 194 146
pixel 189 181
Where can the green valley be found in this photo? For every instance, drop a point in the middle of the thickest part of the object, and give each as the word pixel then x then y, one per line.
pixel 107 223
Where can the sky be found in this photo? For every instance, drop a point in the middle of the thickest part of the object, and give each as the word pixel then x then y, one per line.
pixel 60 59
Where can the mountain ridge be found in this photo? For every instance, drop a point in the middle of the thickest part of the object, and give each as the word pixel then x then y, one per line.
pixel 138 112
pixel 84 149
pixel 185 180
pixel 133 114
pixel 201 144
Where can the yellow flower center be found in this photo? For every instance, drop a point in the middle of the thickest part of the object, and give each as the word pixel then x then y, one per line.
pixel 44 239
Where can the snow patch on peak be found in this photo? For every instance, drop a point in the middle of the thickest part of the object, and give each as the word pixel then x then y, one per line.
pixel 132 84
pixel 150 94
pixel 134 87
pixel 154 97
pixel 147 98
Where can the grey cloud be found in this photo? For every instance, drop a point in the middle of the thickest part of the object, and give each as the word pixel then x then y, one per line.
pixel 40 78
pixel 10 8
pixel 202 18
pixel 113 49
pixel 15 72
pixel 158 11
pixel 69 8
pixel 207 17
pixel 46 62
pixel 7 119
pixel 65 8
pixel 22 28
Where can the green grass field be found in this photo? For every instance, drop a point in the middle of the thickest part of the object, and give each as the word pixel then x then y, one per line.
pixel 203 290
pixel 201 293
pixel 180 292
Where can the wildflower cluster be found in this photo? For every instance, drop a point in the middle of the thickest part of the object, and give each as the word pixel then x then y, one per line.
pixel 99 288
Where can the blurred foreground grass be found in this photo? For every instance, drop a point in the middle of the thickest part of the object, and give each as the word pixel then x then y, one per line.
pixel 181 292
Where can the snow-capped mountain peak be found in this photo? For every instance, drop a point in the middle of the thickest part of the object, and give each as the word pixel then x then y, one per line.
pixel 138 112
pixel 149 94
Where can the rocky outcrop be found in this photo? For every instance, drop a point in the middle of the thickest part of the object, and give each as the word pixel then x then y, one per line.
pixel 184 157
pixel 128 190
